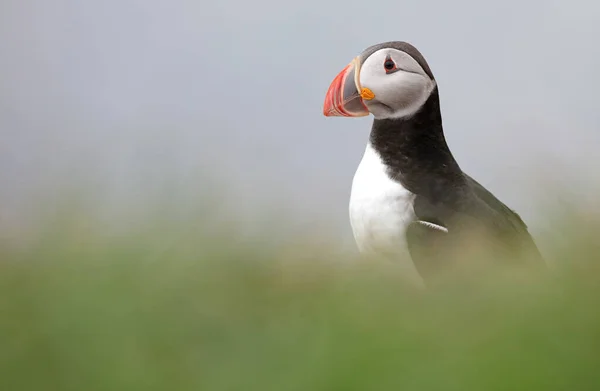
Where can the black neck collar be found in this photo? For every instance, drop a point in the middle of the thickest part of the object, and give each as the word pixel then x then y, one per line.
pixel 415 151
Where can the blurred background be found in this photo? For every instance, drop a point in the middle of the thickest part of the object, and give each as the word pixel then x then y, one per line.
pixel 171 197
pixel 131 101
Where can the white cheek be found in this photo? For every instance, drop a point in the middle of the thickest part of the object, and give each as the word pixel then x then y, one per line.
pixel 402 93
pixel 387 87
pixel 369 73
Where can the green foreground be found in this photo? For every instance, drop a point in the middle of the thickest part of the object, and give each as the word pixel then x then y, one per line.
pixel 85 313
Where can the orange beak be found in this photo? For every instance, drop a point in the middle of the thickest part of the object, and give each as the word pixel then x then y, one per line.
pixel 343 98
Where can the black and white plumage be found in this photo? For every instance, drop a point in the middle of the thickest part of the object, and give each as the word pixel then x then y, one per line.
pixel 409 194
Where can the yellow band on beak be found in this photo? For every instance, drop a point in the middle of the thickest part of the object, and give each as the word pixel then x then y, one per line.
pixel 366 94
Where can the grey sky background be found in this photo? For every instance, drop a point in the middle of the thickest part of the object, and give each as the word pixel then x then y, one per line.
pixel 129 98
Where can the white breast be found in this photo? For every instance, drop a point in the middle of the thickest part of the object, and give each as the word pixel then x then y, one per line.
pixel 380 209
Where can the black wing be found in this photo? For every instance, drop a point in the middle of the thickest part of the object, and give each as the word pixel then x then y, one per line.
pixel 443 227
pixel 510 225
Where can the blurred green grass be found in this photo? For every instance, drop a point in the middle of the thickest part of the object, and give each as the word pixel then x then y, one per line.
pixel 161 309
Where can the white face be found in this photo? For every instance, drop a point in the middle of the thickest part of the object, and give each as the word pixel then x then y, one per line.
pixel 399 83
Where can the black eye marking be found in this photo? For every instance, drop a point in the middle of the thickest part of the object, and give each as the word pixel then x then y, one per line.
pixel 389 65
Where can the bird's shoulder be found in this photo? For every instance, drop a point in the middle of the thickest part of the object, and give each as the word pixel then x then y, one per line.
pixel 468 201
pixel 469 213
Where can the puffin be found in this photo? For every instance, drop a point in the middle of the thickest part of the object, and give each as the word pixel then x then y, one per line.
pixel 410 200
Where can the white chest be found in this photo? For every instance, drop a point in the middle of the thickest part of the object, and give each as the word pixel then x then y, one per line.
pixel 380 208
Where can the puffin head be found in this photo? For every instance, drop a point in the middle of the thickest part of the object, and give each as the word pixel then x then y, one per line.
pixel 388 80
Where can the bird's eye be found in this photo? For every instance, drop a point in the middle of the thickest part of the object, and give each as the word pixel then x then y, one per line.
pixel 389 65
